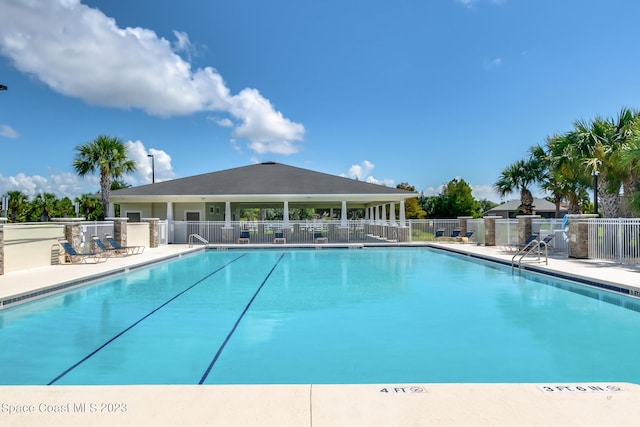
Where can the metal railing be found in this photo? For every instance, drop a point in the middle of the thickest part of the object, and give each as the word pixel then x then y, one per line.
pixel 615 239
pixel 264 232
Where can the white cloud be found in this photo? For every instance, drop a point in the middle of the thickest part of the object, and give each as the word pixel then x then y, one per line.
pixel 71 185
pixel 487 192
pixel 59 183
pixel 79 52
pixel 226 122
pixel 161 165
pixel 8 132
pixel 489 64
pixel 362 172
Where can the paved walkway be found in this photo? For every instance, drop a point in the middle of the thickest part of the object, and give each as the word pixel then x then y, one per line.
pixel 317 405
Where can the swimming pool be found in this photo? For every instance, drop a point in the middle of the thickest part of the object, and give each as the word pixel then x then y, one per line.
pixel 401 315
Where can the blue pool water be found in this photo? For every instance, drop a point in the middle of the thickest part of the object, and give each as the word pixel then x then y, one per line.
pixel 321 316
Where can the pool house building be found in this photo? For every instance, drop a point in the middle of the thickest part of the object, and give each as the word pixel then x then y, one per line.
pixel 208 206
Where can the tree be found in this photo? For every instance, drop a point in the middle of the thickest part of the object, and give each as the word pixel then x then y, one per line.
pixel 566 176
pixel 519 176
pixel 412 208
pixel 90 207
pixel 18 205
pixel 455 200
pixel 107 156
pixel 42 207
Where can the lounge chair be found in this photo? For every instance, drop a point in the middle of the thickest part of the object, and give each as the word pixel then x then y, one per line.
pixel 279 237
pixel 319 238
pixel 74 257
pixel 519 246
pixel 109 250
pixel 130 250
pixel 455 233
pixel 465 238
pixel 245 237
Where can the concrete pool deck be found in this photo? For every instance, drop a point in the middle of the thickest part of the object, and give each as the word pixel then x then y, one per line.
pixel 317 405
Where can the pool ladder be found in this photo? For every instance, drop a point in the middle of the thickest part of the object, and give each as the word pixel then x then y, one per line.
pixel 198 237
pixel 536 245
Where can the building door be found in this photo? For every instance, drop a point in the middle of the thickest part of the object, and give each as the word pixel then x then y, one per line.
pixel 193 223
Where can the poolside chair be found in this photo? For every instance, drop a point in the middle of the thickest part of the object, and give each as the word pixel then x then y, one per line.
pixel 319 238
pixel 245 237
pixel 109 250
pixel 130 250
pixel 516 247
pixel 455 233
pixel 439 233
pixel 279 237
pixel 74 257
pixel 465 238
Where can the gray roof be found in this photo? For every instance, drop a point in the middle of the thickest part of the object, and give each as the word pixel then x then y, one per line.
pixel 262 182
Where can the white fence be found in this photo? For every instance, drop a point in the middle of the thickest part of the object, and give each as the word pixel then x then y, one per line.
pixel 615 239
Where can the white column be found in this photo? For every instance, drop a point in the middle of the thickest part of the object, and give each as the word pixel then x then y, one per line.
pixel 343 214
pixel 227 214
pixel 112 210
pixel 366 214
pixel 384 213
pixel 403 219
pixel 392 214
pixel 170 221
pixel 285 215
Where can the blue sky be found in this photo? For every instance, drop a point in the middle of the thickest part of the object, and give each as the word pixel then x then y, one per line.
pixel 385 91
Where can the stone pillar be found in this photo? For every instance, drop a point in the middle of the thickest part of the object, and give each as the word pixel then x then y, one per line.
pixel 579 236
pixel 119 230
pixel 73 234
pixel 1 249
pixel 153 231
pixel 462 223
pixel 525 229
pixel 490 230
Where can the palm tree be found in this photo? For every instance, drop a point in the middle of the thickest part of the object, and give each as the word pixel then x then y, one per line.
pixel 568 178
pixel 627 158
pixel 108 156
pixel 520 175
pixel 17 206
pixel 89 206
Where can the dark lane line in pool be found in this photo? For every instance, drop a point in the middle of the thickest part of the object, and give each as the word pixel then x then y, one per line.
pixel 87 357
pixel 235 326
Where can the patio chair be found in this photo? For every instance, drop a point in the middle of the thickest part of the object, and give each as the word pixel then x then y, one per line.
pixel 465 238
pixel 455 233
pixel 109 250
pixel 279 237
pixel 517 247
pixel 318 237
pixel 245 237
pixel 74 257
pixel 130 250
pixel 439 233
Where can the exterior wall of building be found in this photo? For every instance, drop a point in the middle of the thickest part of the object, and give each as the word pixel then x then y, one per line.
pixel 145 209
